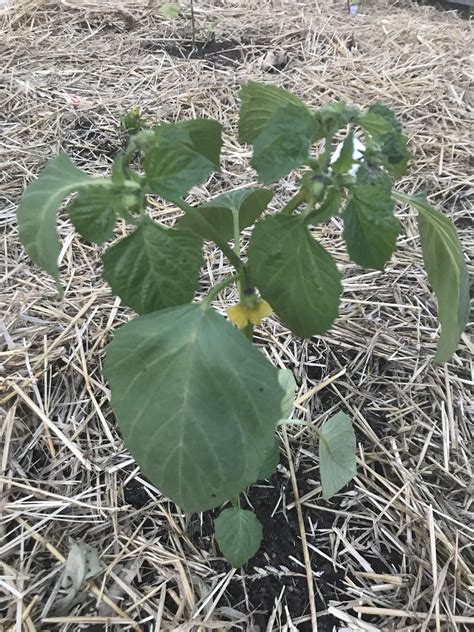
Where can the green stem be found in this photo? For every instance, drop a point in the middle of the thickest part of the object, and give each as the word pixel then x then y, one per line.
pixel 236 502
pixel 236 226
pixel 218 287
pixel 209 228
pixel 293 204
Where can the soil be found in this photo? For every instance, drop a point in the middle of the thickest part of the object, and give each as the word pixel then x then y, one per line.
pixel 225 53
pixel 279 562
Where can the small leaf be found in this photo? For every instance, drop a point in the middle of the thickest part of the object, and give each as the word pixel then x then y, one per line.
pixel 332 117
pixel 295 274
pixel 270 464
pixel 337 445
pixel 197 404
pixel 447 272
pixel 258 103
pixel 370 227
pixel 182 155
pixel 82 563
pixel 154 267
pixel 93 212
pixel 238 534
pixel 170 10
pixel 382 125
pixel 345 159
pixel 38 207
pixel 249 203
pixel 288 384
pixel 328 208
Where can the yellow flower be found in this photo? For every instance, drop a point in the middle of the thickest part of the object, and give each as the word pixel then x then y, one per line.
pixel 241 314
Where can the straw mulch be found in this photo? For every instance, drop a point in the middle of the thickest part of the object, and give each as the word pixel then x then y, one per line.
pixel 391 552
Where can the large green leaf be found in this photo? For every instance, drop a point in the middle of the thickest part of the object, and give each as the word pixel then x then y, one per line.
pixel 447 272
pixel 93 212
pixel 279 126
pixel 284 143
pixel 182 155
pixel 295 274
pixel 258 103
pixel 238 534
pixel 337 445
pixel 196 402
pixel 370 227
pixel 38 207
pixel 248 203
pixel 154 267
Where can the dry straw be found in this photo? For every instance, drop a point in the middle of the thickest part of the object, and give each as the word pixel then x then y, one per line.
pixel 392 553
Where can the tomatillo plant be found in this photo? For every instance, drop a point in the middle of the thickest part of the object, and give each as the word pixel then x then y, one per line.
pixel 197 404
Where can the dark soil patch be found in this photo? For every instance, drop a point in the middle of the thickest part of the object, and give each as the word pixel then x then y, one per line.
pixel 226 53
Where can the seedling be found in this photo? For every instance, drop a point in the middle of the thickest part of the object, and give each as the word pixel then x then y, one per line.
pixel 198 405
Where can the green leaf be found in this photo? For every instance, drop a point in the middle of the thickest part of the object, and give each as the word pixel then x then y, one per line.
pixel 238 534
pixel 447 272
pixel 332 117
pixel 345 159
pixel 93 212
pixel 294 274
pixel 328 208
pixel 170 10
pixel 270 464
pixel 154 267
pixel 370 227
pixel 197 404
pixel 382 125
pixel 258 103
pixel 249 203
pixel 279 126
pixel 379 120
pixel 337 445
pixel 38 207
pixel 288 384
pixel 182 155
pixel 284 144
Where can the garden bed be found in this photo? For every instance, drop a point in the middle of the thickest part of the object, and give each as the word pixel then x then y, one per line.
pixel 387 553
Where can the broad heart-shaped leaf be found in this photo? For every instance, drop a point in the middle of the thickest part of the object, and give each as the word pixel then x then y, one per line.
pixel 447 272
pixel 238 534
pixel 154 267
pixel 38 207
pixel 182 155
pixel 197 404
pixel 295 274
pixel 337 445
pixel 258 103
pixel 248 203
pixel 94 210
pixel 370 227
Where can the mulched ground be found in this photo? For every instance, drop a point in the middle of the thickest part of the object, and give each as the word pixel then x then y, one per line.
pixel 391 551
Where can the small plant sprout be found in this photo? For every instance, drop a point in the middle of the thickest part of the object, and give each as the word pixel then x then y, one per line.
pixel 197 403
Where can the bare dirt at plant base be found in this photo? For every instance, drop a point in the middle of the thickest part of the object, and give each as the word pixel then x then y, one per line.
pixel 390 552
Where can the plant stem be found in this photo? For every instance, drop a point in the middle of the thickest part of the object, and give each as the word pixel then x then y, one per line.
pixel 236 225
pixel 209 228
pixel 293 204
pixel 218 287
pixel 193 26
